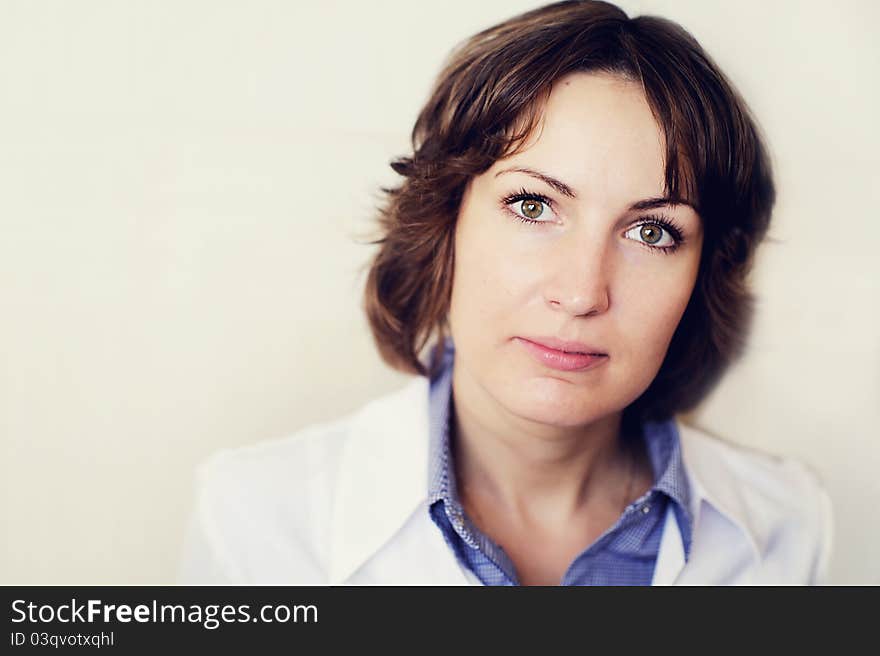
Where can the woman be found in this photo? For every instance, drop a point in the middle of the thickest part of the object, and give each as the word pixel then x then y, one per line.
pixel 572 239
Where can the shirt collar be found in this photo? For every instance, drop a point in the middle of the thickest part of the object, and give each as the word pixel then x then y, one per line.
pixel 664 450
pixel 441 472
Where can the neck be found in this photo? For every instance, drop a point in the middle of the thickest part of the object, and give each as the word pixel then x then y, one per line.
pixel 537 472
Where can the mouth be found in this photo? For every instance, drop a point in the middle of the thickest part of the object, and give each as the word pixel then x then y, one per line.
pixel 563 359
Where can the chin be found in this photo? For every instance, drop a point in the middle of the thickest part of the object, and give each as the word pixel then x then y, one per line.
pixel 567 406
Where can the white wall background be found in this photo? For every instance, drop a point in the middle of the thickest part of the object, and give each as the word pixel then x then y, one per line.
pixel 181 184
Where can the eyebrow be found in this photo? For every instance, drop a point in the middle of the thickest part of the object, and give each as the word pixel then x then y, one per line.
pixel 566 190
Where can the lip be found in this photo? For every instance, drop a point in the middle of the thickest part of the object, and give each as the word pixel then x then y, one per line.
pixel 551 352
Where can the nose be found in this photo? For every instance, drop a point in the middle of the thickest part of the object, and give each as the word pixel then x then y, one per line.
pixel 581 275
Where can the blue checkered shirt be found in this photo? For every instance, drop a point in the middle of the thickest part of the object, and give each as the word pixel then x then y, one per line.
pixel 625 554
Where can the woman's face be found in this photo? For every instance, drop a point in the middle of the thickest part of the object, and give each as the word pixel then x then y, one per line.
pixel 590 268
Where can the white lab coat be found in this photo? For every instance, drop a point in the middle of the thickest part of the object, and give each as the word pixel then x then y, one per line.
pixel 344 502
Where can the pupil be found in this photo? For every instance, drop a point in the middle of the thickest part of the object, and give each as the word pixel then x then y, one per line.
pixel 532 209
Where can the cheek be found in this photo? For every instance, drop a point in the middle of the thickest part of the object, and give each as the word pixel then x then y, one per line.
pixel 492 276
pixel 653 307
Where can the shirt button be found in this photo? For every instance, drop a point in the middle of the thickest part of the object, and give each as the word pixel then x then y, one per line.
pixel 646 508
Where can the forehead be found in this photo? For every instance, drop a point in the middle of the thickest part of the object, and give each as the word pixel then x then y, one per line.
pixel 597 132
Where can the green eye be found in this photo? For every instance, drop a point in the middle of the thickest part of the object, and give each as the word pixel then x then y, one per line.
pixel 655 234
pixel 526 206
pixel 532 208
pixel 651 234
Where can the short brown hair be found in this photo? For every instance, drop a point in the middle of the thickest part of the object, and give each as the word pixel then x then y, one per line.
pixel 484 104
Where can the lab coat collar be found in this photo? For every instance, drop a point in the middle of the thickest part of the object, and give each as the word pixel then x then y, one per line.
pixel 383 476
pixel 383 480
pixel 715 484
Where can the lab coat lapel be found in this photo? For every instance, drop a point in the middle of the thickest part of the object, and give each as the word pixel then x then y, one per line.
pixel 417 555
pixel 723 530
pixel 670 556
pixel 382 476
pixel 726 540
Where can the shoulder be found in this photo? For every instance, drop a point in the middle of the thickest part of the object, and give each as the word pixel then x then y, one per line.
pixel 780 501
pixel 253 519
pixel 262 513
pixel 778 480
pixel 281 465
pixel 315 450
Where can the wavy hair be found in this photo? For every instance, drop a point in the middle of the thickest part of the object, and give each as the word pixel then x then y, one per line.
pixel 485 103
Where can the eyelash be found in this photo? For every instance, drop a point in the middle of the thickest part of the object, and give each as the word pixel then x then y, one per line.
pixel 661 220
